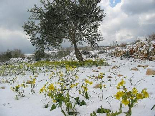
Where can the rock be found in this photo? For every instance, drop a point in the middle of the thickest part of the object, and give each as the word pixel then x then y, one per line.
pixel 150 71
pixel 145 66
pixel 29 82
pixel 97 86
pixel 2 87
pixel 114 67
pixel 119 75
pixel 95 71
pixel 109 77
pixel 152 58
pixel 135 69
pixel 99 67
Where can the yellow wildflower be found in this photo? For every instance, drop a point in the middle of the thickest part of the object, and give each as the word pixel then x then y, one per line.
pixel 125 101
pixel 54 101
pixel 121 83
pixel 72 85
pixel 79 92
pixel 88 82
pixel 76 84
pixel 34 81
pixel 49 94
pixel 61 74
pixel 145 93
pixel 51 87
pixel 119 94
pixel 139 96
pixel 42 89
pixel 134 91
pixel 85 88
pixel 100 76
pixel 76 77
pixel 23 85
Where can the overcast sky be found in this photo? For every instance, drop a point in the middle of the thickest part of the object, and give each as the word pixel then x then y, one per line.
pixel 125 21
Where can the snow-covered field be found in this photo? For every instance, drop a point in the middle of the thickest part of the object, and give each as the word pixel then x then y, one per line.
pixel 33 103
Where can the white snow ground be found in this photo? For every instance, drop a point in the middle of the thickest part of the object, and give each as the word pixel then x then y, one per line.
pixel 33 104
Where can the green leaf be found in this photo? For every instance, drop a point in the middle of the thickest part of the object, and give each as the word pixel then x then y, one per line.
pixel 53 107
pixel 103 110
pixel 82 103
pixel 93 114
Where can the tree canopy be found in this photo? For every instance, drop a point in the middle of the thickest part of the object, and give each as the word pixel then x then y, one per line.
pixel 75 20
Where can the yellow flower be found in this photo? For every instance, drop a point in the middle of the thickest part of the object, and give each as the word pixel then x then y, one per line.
pixel 79 92
pixel 54 101
pixel 125 101
pixel 17 86
pixel 121 83
pixel 51 87
pixel 76 77
pixel 49 94
pixel 145 93
pixel 67 67
pixel 134 91
pixel 85 88
pixel 23 85
pixel 139 96
pixel 42 89
pixel 100 76
pixel 61 79
pixel 34 81
pixel 119 94
pixel 88 82
pixel 76 84
pixel 72 85
pixel 61 74
pixel 118 87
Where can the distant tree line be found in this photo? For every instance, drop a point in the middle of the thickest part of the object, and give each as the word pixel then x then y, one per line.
pixel 16 53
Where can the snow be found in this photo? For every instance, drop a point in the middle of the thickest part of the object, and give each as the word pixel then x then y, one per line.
pixel 33 104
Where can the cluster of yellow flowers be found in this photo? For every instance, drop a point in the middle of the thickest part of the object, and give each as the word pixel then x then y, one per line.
pixel 120 84
pixel 51 87
pixel 100 76
pixel 85 88
pixel 43 89
pixel 16 88
pixel 88 82
pixel 73 85
pixel 70 68
pixel 128 97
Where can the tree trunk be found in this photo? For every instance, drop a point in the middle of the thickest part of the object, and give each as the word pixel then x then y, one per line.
pixel 77 52
pixel 74 42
